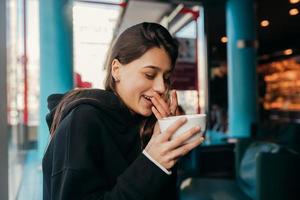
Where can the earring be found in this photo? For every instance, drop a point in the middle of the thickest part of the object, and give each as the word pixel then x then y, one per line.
pixel 116 79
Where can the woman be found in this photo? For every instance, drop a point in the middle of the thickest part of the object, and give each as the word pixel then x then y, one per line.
pixel 106 144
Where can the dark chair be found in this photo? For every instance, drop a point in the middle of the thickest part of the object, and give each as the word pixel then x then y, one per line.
pixel 277 178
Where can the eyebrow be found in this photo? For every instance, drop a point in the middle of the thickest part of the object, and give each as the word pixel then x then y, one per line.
pixel 156 68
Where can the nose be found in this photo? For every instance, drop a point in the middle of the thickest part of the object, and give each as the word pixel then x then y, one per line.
pixel 159 85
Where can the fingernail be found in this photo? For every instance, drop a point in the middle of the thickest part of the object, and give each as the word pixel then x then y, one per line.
pixel 197 128
pixel 184 119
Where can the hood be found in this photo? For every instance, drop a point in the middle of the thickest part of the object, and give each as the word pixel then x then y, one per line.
pixel 104 100
pixel 53 100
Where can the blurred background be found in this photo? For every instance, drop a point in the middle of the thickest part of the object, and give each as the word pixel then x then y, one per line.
pixel 239 62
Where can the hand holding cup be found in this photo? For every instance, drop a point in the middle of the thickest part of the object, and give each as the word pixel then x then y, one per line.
pixel 167 151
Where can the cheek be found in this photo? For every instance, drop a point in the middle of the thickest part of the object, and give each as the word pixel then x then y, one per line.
pixel 137 88
pixel 134 87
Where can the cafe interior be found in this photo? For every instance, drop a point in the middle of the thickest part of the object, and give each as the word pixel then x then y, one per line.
pixel 239 63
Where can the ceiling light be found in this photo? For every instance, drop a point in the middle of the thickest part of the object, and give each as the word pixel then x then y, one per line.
pixel 264 23
pixel 294 1
pixel 288 52
pixel 224 39
pixel 294 11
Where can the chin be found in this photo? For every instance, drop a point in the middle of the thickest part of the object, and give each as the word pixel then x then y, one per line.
pixel 146 112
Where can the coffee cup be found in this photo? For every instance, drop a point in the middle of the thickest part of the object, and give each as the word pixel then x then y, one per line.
pixel 193 120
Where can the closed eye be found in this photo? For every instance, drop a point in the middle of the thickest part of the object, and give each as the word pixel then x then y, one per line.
pixel 150 76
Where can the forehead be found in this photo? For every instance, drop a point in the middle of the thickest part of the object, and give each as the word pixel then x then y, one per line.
pixel 155 58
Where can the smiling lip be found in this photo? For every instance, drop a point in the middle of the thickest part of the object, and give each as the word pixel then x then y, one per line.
pixel 148 100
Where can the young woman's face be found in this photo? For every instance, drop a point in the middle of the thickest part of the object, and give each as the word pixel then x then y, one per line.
pixel 140 79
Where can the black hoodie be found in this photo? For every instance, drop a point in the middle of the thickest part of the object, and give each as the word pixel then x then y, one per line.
pixel 96 154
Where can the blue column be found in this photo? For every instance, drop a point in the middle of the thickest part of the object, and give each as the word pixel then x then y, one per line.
pixel 4 135
pixel 56 55
pixel 241 52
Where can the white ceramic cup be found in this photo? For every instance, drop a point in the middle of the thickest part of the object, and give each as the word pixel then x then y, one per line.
pixel 192 121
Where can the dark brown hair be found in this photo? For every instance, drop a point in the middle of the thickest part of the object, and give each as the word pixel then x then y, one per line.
pixel 129 46
pixel 135 42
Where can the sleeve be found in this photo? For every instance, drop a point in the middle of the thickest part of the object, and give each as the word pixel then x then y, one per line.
pixel 157 163
pixel 82 177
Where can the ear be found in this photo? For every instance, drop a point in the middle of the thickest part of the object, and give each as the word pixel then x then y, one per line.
pixel 115 69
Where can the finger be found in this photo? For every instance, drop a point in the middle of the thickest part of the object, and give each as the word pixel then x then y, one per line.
pixel 158 105
pixel 156 113
pixel 156 130
pixel 178 141
pixel 173 128
pixel 168 99
pixel 163 99
pixel 166 95
pixel 183 150
pixel 174 102
pixel 172 162
pixel 159 108
pixel 161 104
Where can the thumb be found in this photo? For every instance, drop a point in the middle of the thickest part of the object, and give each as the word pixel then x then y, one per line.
pixel 156 130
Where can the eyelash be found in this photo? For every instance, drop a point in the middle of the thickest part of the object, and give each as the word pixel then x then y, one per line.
pixel 151 77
